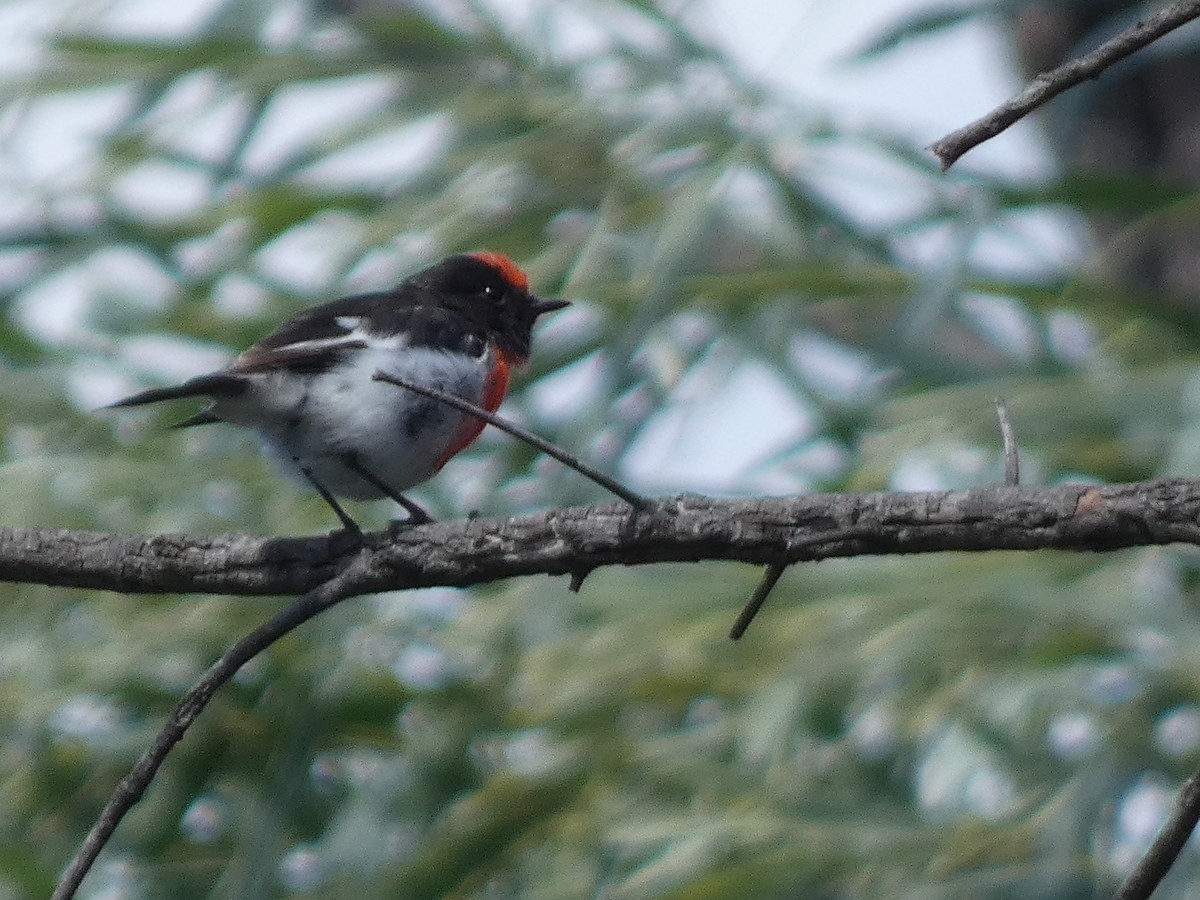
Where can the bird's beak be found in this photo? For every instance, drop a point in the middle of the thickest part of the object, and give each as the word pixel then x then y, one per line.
pixel 544 306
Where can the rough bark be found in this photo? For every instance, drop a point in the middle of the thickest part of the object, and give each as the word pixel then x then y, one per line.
pixel 578 539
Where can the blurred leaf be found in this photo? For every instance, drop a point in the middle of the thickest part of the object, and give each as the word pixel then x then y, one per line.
pixel 1128 192
pixel 481 827
pixel 922 24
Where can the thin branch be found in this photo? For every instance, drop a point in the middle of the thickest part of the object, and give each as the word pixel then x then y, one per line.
pixel 577 579
pixel 1012 457
pixel 761 531
pixel 1050 84
pixel 1167 844
pixel 770 577
pixel 573 462
pixel 133 785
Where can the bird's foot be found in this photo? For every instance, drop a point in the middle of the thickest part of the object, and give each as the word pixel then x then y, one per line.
pixel 346 539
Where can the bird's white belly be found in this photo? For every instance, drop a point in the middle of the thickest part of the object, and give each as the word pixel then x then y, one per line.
pixel 314 421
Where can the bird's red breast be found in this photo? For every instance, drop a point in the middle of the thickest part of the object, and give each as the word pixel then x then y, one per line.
pixel 496 385
pixel 494 389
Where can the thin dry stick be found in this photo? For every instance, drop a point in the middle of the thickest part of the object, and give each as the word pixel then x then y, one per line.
pixel 133 785
pixel 635 500
pixel 1012 459
pixel 770 577
pixel 1167 844
pixel 1050 84
pixel 773 572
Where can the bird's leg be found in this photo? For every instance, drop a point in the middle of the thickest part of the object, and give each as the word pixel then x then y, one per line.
pixel 416 515
pixel 347 523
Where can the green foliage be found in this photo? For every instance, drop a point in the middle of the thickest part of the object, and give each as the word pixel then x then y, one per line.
pixel 929 727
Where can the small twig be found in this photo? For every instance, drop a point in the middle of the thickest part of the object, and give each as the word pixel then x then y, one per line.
pixel 577 579
pixel 635 500
pixel 1012 459
pixel 134 784
pixel 1167 844
pixel 770 577
pixel 1050 84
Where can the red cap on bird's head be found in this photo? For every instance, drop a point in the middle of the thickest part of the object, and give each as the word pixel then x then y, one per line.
pixel 510 270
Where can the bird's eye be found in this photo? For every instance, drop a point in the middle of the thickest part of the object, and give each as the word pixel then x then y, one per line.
pixel 490 291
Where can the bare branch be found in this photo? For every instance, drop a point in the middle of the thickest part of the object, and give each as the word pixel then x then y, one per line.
pixel 1049 85
pixel 572 462
pixel 777 532
pixel 133 785
pixel 770 577
pixel 762 531
pixel 1167 844
pixel 1012 456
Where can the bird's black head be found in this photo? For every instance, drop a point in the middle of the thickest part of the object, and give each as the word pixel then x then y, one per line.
pixel 488 288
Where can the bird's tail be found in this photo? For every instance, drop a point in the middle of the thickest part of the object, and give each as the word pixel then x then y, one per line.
pixel 218 384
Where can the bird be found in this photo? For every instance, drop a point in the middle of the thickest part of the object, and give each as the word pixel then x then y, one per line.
pixel 308 389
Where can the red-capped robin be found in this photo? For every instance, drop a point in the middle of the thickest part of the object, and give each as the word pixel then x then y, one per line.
pixel 308 389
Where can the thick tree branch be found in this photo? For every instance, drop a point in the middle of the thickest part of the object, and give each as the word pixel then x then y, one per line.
pixel 1049 85
pixel 679 529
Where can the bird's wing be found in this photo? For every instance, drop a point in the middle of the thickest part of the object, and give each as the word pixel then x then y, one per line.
pixel 319 338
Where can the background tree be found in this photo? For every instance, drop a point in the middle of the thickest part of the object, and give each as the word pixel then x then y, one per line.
pixel 1137 121
pixel 1001 725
